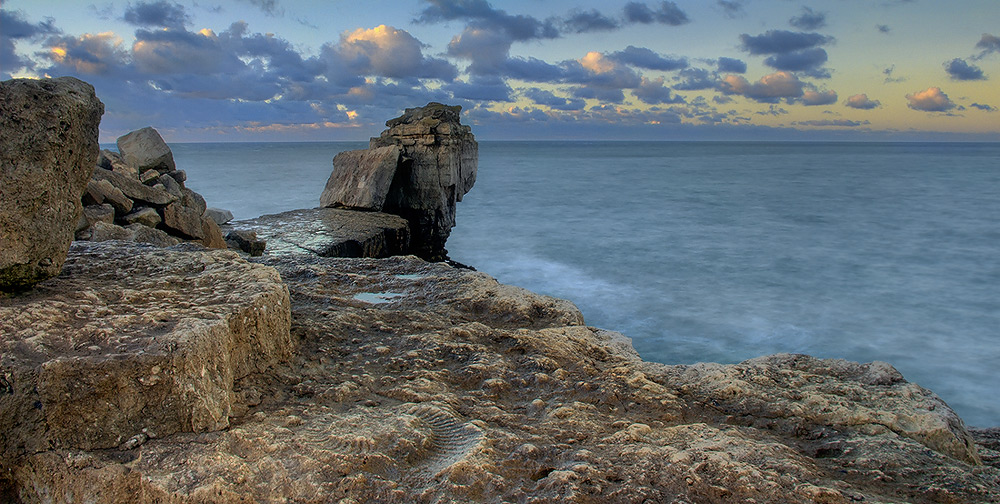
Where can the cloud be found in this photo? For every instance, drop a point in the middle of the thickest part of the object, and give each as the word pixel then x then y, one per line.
pixel 732 65
pixel 668 13
pixel 161 52
pixel 989 44
pixel 88 54
pixel 269 7
pixel 485 16
pixel 782 42
pixel 606 95
pixel 862 102
pixel 390 52
pixel 159 14
pixel 803 60
pixel 808 20
pixel 959 69
pixel 769 89
pixel 587 21
pixel 843 123
pixel 931 99
pixel 883 28
pixel 693 79
pixel 984 107
pixel 888 71
pixel 654 92
pixel 487 49
pixel 731 8
pixel 645 58
pixel 813 97
pixel 549 99
pixel 601 71
pixel 489 89
pixel 16 27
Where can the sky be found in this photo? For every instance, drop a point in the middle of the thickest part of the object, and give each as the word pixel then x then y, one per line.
pixel 296 70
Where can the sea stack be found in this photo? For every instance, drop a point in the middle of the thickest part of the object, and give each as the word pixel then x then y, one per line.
pixel 48 150
pixel 418 168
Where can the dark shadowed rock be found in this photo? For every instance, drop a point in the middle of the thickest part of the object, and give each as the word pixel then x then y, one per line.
pixel 247 241
pixel 144 215
pixel 145 149
pixel 48 148
pixel 361 179
pixel 95 213
pixel 330 232
pixel 110 160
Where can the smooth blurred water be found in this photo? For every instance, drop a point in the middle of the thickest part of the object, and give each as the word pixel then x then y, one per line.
pixel 720 251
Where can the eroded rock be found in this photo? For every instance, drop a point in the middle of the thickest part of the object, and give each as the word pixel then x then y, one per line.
pixel 49 148
pixel 144 149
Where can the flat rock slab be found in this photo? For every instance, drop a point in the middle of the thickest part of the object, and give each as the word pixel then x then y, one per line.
pixel 330 232
pixel 418 382
pixel 132 341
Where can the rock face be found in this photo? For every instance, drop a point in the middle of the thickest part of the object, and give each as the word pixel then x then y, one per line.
pixel 437 164
pixel 419 382
pixel 49 148
pixel 329 232
pixel 133 342
pixel 157 199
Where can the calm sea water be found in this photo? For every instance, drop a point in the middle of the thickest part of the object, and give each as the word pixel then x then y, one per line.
pixel 720 251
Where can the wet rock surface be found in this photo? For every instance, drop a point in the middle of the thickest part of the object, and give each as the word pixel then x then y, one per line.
pixel 49 148
pixel 419 382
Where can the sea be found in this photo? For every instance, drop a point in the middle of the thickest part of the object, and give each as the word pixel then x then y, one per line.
pixel 719 251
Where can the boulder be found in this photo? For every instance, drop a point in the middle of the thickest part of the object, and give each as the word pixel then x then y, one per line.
pixel 361 179
pixel 103 231
pixel 436 166
pixel 133 341
pixel 170 184
pixel 330 232
pixel 110 160
pixel 247 241
pixel 102 191
pixel 149 177
pixel 145 234
pixel 134 189
pixel 144 215
pixel 96 213
pixel 212 234
pixel 183 221
pixel 145 149
pixel 218 215
pixel 48 148
pixel 193 200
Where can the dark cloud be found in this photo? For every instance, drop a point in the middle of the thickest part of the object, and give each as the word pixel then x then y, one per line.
pixel 549 99
pixel 666 13
pixel 485 16
pixel 888 71
pixel 862 102
pixel 588 21
pixel 533 70
pixel 844 123
pixel 883 28
pixel 88 54
pixel 812 97
pixel 989 44
pixel 269 7
pixel 782 41
pixel 805 59
pixel 646 58
pixel 13 26
pixel 160 13
pixel 808 20
pixel 489 89
pixel 605 95
pixel 959 69
pixel 931 99
pixel 654 92
pixel 731 8
pixel 769 89
pixel 984 107
pixel 693 79
pixel 732 65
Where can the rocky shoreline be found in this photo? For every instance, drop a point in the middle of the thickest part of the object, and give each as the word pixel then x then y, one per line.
pixel 335 367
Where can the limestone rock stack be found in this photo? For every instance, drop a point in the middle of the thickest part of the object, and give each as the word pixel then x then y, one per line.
pixel 48 147
pixel 417 169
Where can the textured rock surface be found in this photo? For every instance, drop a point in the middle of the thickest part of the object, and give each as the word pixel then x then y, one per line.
pixel 361 179
pixel 133 342
pixel 330 232
pixel 219 215
pixel 144 149
pixel 437 162
pixel 418 382
pixel 49 148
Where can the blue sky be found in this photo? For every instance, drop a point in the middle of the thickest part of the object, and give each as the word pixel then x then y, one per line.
pixel 286 70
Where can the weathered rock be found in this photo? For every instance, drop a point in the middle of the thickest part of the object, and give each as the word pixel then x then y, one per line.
pixel 437 165
pixel 179 175
pixel 47 150
pixel 361 179
pixel 96 213
pixel 102 191
pixel 134 189
pixel 144 215
pixel 134 341
pixel 219 215
pixel 152 236
pixel 212 234
pixel 149 177
pixel 331 232
pixel 110 160
pixel 170 185
pixel 183 221
pixel 145 149
pixel 103 231
pixel 247 241
pixel 412 384
pixel 194 201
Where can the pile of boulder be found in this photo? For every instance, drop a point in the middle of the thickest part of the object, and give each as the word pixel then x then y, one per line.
pixel 417 169
pixel 138 194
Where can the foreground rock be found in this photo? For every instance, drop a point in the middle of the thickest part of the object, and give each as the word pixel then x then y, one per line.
pixel 49 148
pixel 133 342
pixel 329 232
pixel 418 169
pixel 418 382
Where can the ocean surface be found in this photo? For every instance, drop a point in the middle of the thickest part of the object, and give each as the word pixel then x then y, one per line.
pixel 707 251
